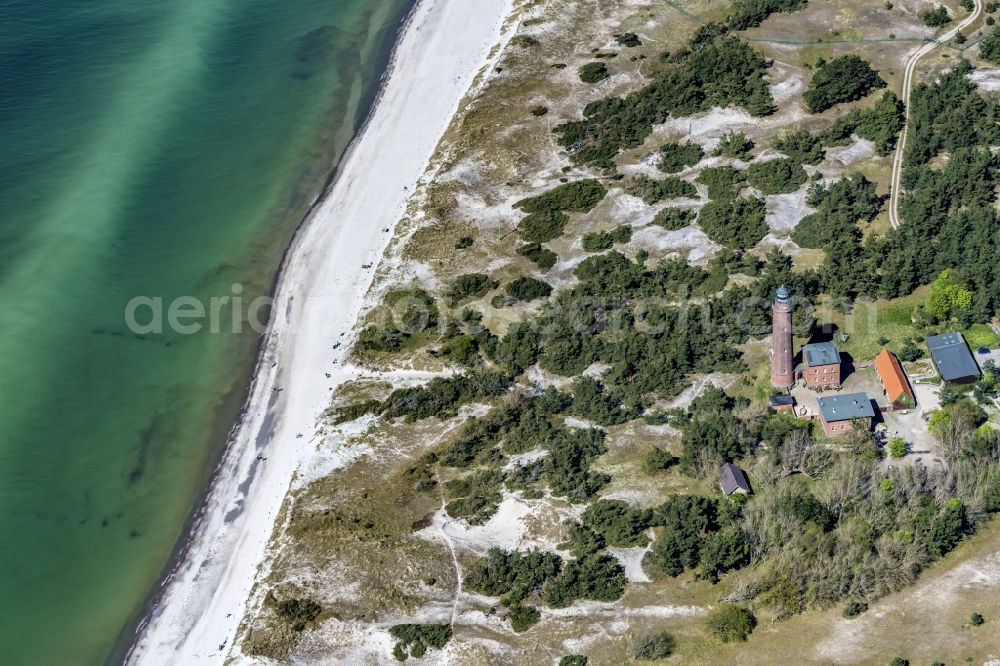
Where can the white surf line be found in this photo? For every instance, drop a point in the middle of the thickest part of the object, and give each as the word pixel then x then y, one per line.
pixel 319 296
pixel 911 64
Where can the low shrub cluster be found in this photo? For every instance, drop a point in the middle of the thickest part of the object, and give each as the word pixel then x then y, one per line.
pixel 844 79
pixel 716 69
pixel 598 241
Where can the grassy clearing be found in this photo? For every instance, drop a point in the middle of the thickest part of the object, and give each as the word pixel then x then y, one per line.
pixel 981 335
pixel 869 323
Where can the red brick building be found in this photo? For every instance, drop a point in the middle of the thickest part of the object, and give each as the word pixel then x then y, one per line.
pixel 820 367
pixel 840 413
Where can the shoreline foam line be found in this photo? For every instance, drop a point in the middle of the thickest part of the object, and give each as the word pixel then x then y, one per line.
pixel 320 292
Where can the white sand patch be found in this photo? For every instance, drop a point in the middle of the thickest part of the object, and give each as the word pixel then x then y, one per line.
pixel 844 156
pixel 599 609
pixel 787 85
pixel 504 530
pixel 988 80
pixel 687 396
pixel 525 458
pixel 577 422
pixel 782 242
pixel 785 211
pixel 333 455
pixel 690 242
pixel 631 559
pixel 321 291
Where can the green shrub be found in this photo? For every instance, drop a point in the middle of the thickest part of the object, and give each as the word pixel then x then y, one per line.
pixel 686 520
pixel 356 410
pixel 476 496
pixel 462 349
pixel 976 619
pixel 650 647
pixel 805 508
pixel 854 608
pixel 879 124
pixel 470 286
pixel 716 70
pixel 989 47
pixel 464 242
pixel 844 79
pixel 734 144
pixel 801 146
pixel 573 660
pixel 658 460
pixel 598 241
pixel 675 156
pixel 897 447
pixel 528 289
pixel 594 72
pixel 544 258
pixel 592 402
pixel 567 467
pixel 511 575
pixel 582 541
pixel 736 223
pixel 673 219
pixel 594 578
pixel 751 13
pixel 442 396
pixel 299 613
pixel 420 637
pixel 381 339
pixel 523 618
pixel 652 191
pixel 539 111
pixel 779 176
pixel 542 226
pixel 730 623
pixel 899 661
pixel 629 40
pixel 524 41
pixel 620 525
pixel 580 196
pixel 723 182
pixel 934 18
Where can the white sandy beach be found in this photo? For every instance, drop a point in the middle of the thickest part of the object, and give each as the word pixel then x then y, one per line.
pixel 320 294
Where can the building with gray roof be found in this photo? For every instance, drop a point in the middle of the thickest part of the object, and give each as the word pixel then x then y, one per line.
pixel 953 359
pixel 733 480
pixel 839 412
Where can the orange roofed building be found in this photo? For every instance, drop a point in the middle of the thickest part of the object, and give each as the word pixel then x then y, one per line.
pixel 894 381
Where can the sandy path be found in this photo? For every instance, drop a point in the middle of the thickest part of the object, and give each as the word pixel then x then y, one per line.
pixel 911 65
pixel 320 294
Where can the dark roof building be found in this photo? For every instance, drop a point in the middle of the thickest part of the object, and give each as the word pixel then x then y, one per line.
pixel 953 359
pixel 733 480
pixel 820 353
pixel 779 402
pixel 840 413
pixel 846 407
pixel 820 366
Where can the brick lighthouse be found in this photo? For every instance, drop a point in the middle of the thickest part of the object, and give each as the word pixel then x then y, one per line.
pixel 782 371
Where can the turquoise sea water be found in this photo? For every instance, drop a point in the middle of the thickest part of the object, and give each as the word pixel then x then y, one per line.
pixel 156 149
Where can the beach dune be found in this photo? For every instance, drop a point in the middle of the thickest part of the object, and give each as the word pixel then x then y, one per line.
pixel 320 292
